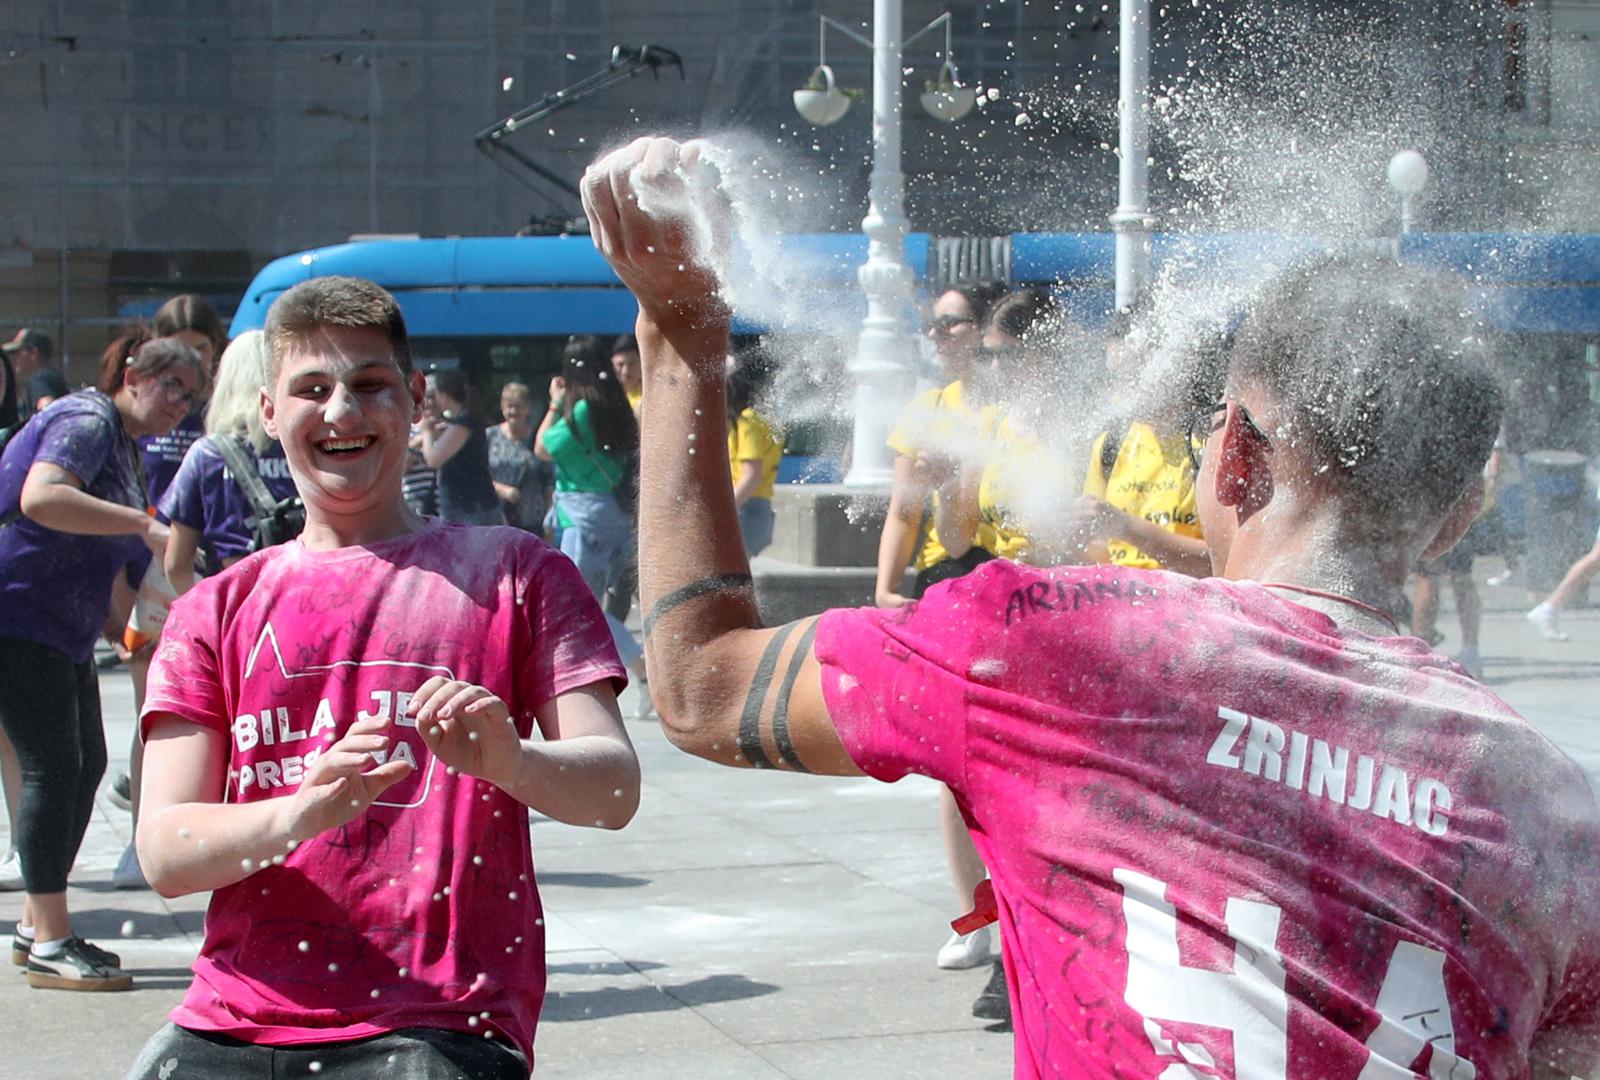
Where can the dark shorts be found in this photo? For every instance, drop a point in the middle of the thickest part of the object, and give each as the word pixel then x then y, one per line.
pixel 947 569
pixel 1485 537
pixel 176 1053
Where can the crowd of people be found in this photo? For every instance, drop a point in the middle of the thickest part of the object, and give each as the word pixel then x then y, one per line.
pixel 1154 656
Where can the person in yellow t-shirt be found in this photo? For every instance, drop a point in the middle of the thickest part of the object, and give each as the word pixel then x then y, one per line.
pixel 1138 494
pixel 625 362
pixel 754 452
pixel 940 426
pixel 1020 482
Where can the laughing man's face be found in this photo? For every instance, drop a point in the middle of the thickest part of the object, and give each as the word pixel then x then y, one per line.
pixel 343 410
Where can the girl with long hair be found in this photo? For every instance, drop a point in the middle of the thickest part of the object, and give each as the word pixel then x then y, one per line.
pixel 589 432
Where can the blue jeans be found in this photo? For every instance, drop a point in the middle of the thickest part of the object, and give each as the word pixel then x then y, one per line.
pixel 176 1053
pixel 755 524
pixel 602 542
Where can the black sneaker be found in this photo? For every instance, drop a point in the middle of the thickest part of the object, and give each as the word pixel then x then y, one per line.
pixel 20 947
pixel 76 967
pixel 995 1001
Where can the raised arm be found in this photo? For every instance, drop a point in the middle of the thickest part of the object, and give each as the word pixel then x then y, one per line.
pixel 441 444
pixel 727 688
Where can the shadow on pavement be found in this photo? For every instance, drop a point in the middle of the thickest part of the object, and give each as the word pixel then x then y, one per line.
pixel 1505 670
pixel 592 881
pixel 622 1001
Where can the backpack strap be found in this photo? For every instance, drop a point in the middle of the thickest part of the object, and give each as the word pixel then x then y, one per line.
pixel 242 465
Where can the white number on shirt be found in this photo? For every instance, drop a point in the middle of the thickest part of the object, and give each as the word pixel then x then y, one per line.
pixel 1250 1003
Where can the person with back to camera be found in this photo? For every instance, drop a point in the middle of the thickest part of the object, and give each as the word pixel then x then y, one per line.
pixel 75 539
pixel 341 747
pixel 591 436
pixel 1138 501
pixel 453 441
pixel 1237 820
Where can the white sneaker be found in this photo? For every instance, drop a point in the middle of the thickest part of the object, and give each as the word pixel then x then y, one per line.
pixel 961 953
pixel 11 873
pixel 643 707
pixel 1547 620
pixel 129 874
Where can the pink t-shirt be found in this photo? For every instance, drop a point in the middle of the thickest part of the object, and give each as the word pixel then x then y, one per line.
pixel 423 911
pixel 1228 837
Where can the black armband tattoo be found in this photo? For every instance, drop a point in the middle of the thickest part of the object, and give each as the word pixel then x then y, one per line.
pixel 780 714
pixel 750 720
pixel 693 591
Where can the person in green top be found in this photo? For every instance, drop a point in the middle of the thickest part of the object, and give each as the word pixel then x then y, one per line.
pixel 591 436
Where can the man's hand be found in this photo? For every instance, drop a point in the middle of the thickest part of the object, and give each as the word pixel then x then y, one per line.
pixel 1089 519
pixel 338 787
pixel 655 214
pixel 467 728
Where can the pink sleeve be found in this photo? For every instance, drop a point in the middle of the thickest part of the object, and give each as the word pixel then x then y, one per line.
pixel 566 643
pixel 185 679
pixel 896 705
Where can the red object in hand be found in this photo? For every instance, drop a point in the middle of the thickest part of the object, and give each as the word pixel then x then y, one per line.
pixel 983 910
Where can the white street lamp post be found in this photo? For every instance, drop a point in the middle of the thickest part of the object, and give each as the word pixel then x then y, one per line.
pixel 1408 175
pixel 1132 219
pixel 886 352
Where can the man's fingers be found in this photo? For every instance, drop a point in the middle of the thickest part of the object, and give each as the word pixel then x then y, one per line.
pixel 386 776
pixel 599 207
pixel 433 693
pixel 460 699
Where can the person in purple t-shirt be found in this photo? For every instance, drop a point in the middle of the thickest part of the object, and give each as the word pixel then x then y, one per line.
pixel 74 504
pixel 206 506
pixel 1237 825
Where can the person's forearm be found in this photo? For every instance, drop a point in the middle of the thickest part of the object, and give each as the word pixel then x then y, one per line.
pixel 200 846
pixel 900 527
pixel 67 509
pixel 1182 554
pixel 687 494
pixel 178 559
pixel 550 416
pixel 955 518
pixel 591 780
pixel 746 489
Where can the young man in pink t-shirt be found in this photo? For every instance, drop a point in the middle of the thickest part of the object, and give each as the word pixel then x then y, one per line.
pixel 1238 827
pixel 339 744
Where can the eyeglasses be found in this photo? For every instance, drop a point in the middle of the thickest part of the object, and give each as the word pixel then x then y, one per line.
pixel 944 325
pixel 1198 428
pixel 173 388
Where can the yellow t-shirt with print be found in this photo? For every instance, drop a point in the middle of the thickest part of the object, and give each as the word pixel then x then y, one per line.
pixel 751 438
pixel 1022 478
pixel 634 397
pixel 940 420
pixel 1152 478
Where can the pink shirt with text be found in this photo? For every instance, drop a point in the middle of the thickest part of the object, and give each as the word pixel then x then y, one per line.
pixel 1231 839
pixel 423 911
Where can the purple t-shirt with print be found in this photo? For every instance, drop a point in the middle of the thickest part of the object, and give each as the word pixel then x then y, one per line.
pixel 163 454
pixel 205 497
pixel 55 587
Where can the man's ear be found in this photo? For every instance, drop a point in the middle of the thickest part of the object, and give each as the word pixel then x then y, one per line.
pixel 418 385
pixel 269 414
pixel 1458 521
pixel 1242 477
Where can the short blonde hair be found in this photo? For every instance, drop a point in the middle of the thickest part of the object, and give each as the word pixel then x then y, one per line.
pixel 235 407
